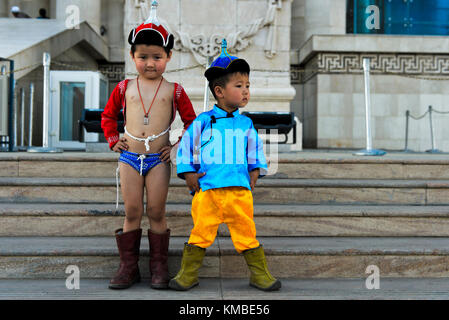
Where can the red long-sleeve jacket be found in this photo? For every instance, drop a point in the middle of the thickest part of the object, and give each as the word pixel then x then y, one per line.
pixel 117 102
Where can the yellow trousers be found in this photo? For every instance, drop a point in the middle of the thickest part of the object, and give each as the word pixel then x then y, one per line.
pixel 233 206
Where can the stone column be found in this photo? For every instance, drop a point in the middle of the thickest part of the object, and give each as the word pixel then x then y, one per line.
pixel 324 17
pixel 112 13
pixel 4 9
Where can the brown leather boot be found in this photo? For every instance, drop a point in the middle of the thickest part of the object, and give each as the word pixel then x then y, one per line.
pixel 159 259
pixel 128 244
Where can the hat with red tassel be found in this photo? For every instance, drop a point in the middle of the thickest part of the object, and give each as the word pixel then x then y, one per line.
pixel 151 31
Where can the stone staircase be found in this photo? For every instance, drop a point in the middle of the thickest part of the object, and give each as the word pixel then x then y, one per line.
pixel 322 215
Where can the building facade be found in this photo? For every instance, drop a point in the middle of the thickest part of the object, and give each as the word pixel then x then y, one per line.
pixel 407 43
pixel 306 57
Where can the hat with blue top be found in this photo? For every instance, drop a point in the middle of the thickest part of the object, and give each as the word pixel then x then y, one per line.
pixel 226 64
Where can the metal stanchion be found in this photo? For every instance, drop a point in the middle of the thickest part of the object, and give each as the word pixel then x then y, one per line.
pixel 3 138
pixel 369 151
pixel 209 61
pixel 432 134
pixel 46 109
pixel 12 84
pixel 22 118
pixel 30 124
pixel 15 122
pixel 407 119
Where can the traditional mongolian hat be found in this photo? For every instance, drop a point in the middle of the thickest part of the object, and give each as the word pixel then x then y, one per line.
pixel 225 64
pixel 152 29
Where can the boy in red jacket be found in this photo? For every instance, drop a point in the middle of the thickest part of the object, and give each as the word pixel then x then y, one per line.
pixel 149 105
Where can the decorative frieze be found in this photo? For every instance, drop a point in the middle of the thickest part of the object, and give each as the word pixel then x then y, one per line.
pixel 113 71
pixel 202 45
pixel 381 63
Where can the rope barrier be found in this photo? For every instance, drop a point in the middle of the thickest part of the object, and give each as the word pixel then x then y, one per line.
pixel 429 112
pixel 420 117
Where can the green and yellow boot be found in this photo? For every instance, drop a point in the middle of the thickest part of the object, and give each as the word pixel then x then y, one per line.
pixel 260 276
pixel 187 277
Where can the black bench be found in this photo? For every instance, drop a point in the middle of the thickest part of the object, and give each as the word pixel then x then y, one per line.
pixel 283 122
pixel 91 121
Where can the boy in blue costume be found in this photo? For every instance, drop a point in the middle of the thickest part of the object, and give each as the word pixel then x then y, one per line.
pixel 221 157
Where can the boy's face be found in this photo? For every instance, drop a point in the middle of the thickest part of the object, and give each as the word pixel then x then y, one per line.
pixel 150 60
pixel 236 92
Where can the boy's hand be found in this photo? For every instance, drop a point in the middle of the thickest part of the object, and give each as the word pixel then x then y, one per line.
pixel 192 180
pixel 254 175
pixel 165 153
pixel 120 146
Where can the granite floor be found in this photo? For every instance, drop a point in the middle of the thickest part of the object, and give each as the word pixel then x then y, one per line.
pixel 233 289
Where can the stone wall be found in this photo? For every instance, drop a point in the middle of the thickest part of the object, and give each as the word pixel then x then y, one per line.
pixel 406 74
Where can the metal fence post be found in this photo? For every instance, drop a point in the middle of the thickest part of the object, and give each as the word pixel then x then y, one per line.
pixel 209 61
pixel 432 134
pixel 11 106
pixel 22 117
pixel 369 151
pixel 407 119
pixel 46 109
pixel 14 113
pixel 30 125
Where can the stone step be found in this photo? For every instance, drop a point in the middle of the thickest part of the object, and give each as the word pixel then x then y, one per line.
pixel 267 191
pixel 231 289
pixel 76 220
pixel 290 257
pixel 294 165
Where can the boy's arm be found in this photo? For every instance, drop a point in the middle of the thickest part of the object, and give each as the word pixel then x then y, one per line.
pixel 184 107
pixel 253 175
pixel 110 114
pixel 185 161
pixel 256 156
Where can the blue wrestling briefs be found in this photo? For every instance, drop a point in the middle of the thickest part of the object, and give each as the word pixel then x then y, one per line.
pixel 141 162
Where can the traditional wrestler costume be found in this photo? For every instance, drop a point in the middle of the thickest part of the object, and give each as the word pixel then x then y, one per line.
pixel 128 243
pixel 226 147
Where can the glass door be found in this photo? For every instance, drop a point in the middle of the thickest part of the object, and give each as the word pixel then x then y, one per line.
pixel 73 91
pixel 72 97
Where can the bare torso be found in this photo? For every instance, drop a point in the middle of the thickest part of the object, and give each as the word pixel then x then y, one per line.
pixel 159 116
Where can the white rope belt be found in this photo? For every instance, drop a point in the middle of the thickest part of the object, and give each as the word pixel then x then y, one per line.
pixel 147 140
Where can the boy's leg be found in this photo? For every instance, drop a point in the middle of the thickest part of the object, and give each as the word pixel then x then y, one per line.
pixel 128 238
pixel 157 181
pixel 132 185
pixel 206 219
pixel 238 216
pixel 207 216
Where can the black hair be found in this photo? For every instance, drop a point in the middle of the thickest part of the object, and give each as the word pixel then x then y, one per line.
pixel 42 12
pixel 150 38
pixel 222 81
